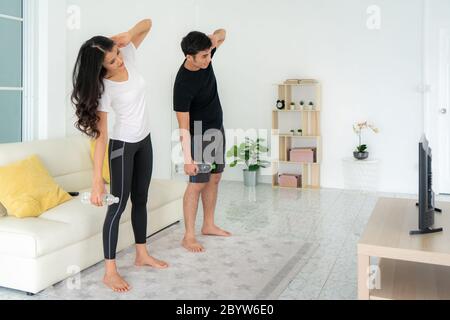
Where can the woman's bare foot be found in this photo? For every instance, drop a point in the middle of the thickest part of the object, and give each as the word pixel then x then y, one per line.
pixel 151 262
pixel 116 283
pixel 215 231
pixel 192 245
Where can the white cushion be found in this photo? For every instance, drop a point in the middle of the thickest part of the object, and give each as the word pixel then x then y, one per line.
pixel 67 160
pixel 32 237
pixel 162 192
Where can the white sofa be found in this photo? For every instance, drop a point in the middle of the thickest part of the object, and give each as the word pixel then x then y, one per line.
pixel 36 253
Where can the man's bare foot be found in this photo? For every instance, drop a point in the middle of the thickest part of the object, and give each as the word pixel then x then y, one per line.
pixel 116 283
pixel 192 245
pixel 151 262
pixel 215 231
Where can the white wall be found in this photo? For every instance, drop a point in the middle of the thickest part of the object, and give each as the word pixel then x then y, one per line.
pixel 159 57
pixel 436 124
pixel 50 72
pixel 366 75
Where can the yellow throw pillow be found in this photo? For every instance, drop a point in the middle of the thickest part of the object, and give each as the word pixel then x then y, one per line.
pixel 105 169
pixel 28 190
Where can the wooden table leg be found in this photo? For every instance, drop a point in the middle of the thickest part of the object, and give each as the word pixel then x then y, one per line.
pixel 363 277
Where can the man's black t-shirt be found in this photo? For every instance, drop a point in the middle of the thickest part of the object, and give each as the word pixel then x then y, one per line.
pixel 196 92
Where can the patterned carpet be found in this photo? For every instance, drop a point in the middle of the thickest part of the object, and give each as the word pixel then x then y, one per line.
pixel 242 267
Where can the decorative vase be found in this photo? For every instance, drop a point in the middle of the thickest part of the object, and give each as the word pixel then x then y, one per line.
pixel 250 178
pixel 361 155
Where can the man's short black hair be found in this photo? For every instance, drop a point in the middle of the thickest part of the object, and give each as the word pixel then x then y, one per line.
pixel 195 42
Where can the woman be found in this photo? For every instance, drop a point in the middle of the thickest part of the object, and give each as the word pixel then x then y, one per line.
pixel 106 80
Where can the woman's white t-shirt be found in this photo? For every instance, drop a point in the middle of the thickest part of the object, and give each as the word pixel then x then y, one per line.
pixel 128 101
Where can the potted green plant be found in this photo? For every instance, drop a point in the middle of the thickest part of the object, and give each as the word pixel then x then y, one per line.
pixel 249 154
pixel 361 152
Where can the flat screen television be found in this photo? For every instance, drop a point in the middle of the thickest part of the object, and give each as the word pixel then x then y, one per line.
pixel 426 202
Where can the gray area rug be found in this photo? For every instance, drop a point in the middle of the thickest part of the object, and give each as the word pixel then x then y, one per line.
pixel 243 267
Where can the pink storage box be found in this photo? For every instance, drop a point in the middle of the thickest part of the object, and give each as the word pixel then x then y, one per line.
pixel 302 155
pixel 290 180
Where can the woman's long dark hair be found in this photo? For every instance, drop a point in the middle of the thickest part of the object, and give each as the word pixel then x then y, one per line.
pixel 88 83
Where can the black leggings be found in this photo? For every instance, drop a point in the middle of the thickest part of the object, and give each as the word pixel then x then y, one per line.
pixel 131 166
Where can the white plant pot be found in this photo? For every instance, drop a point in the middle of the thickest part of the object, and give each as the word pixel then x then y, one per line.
pixel 250 178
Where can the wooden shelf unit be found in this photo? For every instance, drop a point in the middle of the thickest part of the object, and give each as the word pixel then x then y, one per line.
pixel 309 122
pixel 404 280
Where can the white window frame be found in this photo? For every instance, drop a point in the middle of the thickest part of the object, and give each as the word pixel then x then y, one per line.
pixel 29 7
pixel 27 68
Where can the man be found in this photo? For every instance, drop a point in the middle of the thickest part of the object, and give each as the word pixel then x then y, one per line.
pixel 200 118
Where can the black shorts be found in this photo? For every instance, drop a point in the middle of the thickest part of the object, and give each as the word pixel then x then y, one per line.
pixel 209 148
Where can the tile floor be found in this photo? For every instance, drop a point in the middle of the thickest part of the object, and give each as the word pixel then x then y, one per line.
pixel 331 219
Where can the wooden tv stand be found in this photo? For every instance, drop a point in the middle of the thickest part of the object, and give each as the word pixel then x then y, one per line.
pixel 410 267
